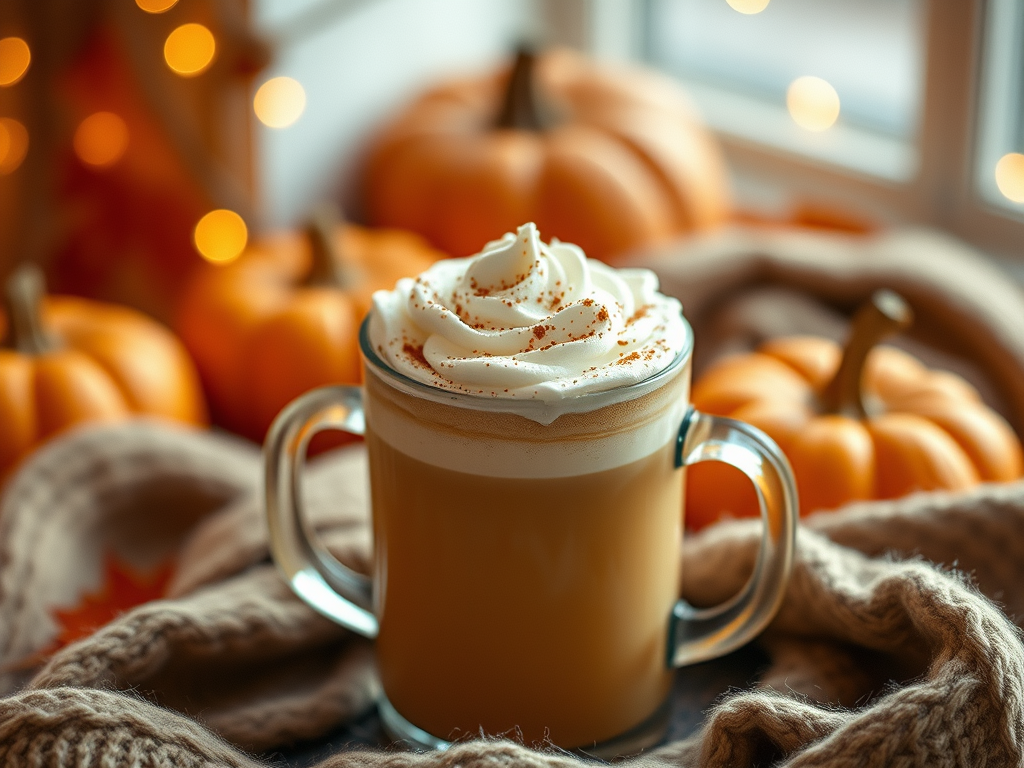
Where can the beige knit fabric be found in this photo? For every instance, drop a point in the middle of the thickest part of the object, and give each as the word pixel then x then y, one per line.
pixel 745 284
pixel 892 648
pixel 874 660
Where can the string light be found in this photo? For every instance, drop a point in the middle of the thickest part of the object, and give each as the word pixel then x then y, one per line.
pixel 189 49
pixel 220 236
pixel 279 102
pixel 156 6
pixel 748 6
pixel 813 103
pixel 15 57
pixel 1010 176
pixel 101 139
pixel 13 145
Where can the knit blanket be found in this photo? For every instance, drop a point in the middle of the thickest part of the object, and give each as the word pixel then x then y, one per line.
pixel 897 642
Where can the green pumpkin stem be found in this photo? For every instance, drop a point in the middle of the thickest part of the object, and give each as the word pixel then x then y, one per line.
pixel 883 315
pixel 23 306
pixel 522 107
pixel 329 268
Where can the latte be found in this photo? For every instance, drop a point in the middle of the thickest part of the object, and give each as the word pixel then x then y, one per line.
pixel 526 537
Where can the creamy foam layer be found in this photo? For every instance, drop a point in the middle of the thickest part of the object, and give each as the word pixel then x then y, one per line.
pixel 528 321
pixel 502 444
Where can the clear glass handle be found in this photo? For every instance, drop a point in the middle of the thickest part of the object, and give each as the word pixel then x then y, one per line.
pixel 314 574
pixel 698 634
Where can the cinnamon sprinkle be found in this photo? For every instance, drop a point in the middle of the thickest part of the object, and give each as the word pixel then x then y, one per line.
pixel 641 312
pixel 416 353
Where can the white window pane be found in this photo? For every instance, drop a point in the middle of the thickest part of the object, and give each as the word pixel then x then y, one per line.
pixel 870 51
pixel 356 68
pixel 999 170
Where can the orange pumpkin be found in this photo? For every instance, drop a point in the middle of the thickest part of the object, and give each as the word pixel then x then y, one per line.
pixel 611 159
pixel 865 422
pixel 65 361
pixel 284 318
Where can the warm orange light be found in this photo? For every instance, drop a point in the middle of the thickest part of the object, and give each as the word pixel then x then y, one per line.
pixel 1010 176
pixel 14 60
pixel 13 145
pixel 189 49
pixel 748 6
pixel 156 6
pixel 220 236
pixel 813 103
pixel 279 102
pixel 101 139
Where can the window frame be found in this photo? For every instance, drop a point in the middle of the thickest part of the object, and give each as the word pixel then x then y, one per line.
pixel 941 190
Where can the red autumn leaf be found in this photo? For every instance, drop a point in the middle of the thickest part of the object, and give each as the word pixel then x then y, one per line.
pixel 123 588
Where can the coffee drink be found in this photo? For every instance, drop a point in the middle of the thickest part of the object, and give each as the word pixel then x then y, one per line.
pixel 525 571
pixel 532 596
pixel 526 414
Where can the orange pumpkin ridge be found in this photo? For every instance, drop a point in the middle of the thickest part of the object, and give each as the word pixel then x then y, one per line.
pixel 611 159
pixel 867 422
pixel 284 317
pixel 66 361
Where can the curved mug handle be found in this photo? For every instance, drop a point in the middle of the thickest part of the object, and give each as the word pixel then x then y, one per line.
pixel 699 634
pixel 313 573
pixel 345 596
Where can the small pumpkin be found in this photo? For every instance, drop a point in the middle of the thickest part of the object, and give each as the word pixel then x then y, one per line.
pixel 611 159
pixel 65 361
pixel 865 422
pixel 284 317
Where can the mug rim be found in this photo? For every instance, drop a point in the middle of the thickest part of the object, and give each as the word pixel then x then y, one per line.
pixel 543 411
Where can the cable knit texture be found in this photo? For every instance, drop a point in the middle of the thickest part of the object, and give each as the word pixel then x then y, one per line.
pixel 893 646
pixel 876 661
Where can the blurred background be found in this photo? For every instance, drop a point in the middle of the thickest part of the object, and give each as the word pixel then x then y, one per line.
pixel 124 122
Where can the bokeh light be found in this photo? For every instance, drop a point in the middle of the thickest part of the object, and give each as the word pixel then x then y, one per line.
pixel 156 6
pixel 15 57
pixel 220 236
pixel 279 102
pixel 101 139
pixel 189 49
pixel 748 6
pixel 813 103
pixel 13 145
pixel 1010 176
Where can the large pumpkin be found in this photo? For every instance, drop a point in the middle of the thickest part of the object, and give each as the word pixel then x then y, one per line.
pixel 609 158
pixel 866 422
pixel 284 317
pixel 65 361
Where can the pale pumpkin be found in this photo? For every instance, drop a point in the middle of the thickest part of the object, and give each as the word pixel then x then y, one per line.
pixel 862 423
pixel 610 158
pixel 65 361
pixel 284 317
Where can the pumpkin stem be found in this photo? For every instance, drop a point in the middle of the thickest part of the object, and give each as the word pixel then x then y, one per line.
pixel 522 108
pixel 329 269
pixel 883 315
pixel 23 303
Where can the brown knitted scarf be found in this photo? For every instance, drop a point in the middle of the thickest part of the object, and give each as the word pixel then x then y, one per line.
pixel 893 645
pixel 874 659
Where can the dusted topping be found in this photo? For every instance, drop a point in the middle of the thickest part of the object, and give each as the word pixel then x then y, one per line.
pixel 527 320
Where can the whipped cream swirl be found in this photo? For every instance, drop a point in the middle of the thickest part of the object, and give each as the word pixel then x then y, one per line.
pixel 527 320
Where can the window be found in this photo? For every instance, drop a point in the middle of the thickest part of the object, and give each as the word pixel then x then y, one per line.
pixel 999 172
pixel 740 66
pixel 930 94
pixel 357 60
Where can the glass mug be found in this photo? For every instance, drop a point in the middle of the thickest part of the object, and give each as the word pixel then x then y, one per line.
pixel 526 574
